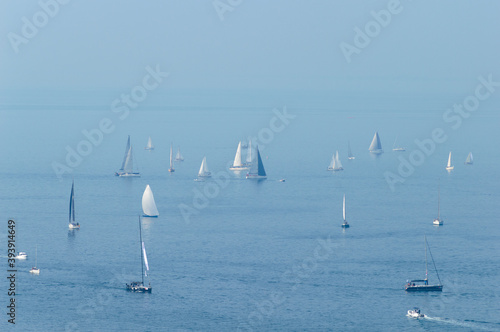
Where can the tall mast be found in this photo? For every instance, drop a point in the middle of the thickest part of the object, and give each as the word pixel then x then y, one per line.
pixel 425 245
pixel 140 245
pixel 439 197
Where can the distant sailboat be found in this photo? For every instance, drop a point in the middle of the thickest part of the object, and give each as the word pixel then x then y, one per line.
pixel 178 156
pixel 469 160
pixel 237 163
pixel 149 146
pixel 257 170
pixel 249 154
pixel 127 168
pixel 376 146
pixel 335 164
pixel 448 166
pixel 397 148
pixel 350 156
pixel 345 224
pixel 204 172
pixel 34 269
pixel 171 169
pixel 438 221
pixel 72 223
pixel 148 203
pixel 423 285
pixel 138 286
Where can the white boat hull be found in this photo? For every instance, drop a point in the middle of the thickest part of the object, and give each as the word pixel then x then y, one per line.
pixel 21 255
pixel 379 151
pixel 351 158
pixel 74 226
pixel 415 314
pixel 255 176
pixel 239 168
pixel 450 168
pixel 121 174
pixel 399 149
pixel 437 222
pixel 35 271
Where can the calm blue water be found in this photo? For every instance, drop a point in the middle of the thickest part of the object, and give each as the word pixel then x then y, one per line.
pixel 250 257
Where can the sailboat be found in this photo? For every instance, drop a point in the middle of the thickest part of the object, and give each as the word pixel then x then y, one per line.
pixel 149 146
pixel 345 224
pixel 34 269
pixel 138 286
pixel 448 166
pixel 335 164
pixel 148 203
pixel 257 170
pixel 204 172
pixel 237 163
pixel 127 168
pixel 438 221
pixel 178 156
pixel 249 154
pixel 469 160
pixel 376 146
pixel 397 148
pixel 350 156
pixel 423 285
pixel 171 169
pixel 72 223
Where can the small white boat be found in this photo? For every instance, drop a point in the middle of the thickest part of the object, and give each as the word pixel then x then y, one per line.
pixel 21 255
pixel 178 156
pixel 127 169
pixel 438 221
pixel 376 145
pixel 149 146
pixel 148 203
pixel 204 172
pixel 350 156
pixel 469 160
pixel 449 167
pixel 171 169
pixel 282 180
pixel 237 163
pixel 34 269
pixel 345 224
pixel 257 170
pixel 72 223
pixel 397 148
pixel 415 313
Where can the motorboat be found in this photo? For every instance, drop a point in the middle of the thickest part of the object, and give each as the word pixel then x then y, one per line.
pixel 415 313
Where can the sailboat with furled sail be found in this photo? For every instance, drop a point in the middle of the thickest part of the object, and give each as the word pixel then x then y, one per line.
pixel 72 223
pixel 178 156
pixel 469 160
pixel 350 156
pixel 148 203
pixel 238 163
pixel 438 221
pixel 449 167
pixel 149 146
pixel 376 145
pixel 345 224
pixel 204 172
pixel 127 169
pixel 171 169
pixel 257 170
pixel 138 286
pixel 423 285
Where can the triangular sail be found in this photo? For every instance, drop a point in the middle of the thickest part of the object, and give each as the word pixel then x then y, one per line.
pixel 376 145
pixel 203 168
pixel 469 159
pixel 145 259
pixel 237 158
pixel 72 204
pixel 449 160
pixel 343 210
pixel 178 156
pixel 249 153
pixel 338 164
pixel 129 161
pixel 127 148
pixel 150 144
pixel 148 203
pixel 332 163
pixel 171 158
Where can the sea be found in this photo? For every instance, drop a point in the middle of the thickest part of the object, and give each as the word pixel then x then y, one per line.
pixel 231 254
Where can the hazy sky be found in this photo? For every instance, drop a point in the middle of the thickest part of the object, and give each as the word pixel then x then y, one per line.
pixel 260 45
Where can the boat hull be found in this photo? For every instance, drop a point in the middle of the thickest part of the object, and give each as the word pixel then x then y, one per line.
pixel 35 271
pixel 378 151
pixel 148 216
pixel 256 177
pixel 239 168
pixel 424 288
pixel 450 168
pixel 345 225
pixel 74 226
pixel 123 174
pixel 139 288
pixel 437 222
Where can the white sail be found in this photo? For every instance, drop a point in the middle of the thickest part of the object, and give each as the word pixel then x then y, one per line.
pixel 171 158
pixel 128 165
pixel 469 159
pixel 376 145
pixel 237 158
pixel 148 203
pixel 145 259
pixel 449 166
pixel 344 208
pixel 127 148
pixel 349 152
pixel 178 156
pixel 249 153
pixel 338 165
pixel 332 163
pixel 149 146
pixel 204 172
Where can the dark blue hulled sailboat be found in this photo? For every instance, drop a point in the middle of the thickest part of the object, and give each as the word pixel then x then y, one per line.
pixel 138 286
pixel 257 170
pixel 72 223
pixel 423 285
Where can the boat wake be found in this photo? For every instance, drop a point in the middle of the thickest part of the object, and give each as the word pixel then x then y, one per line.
pixel 473 325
